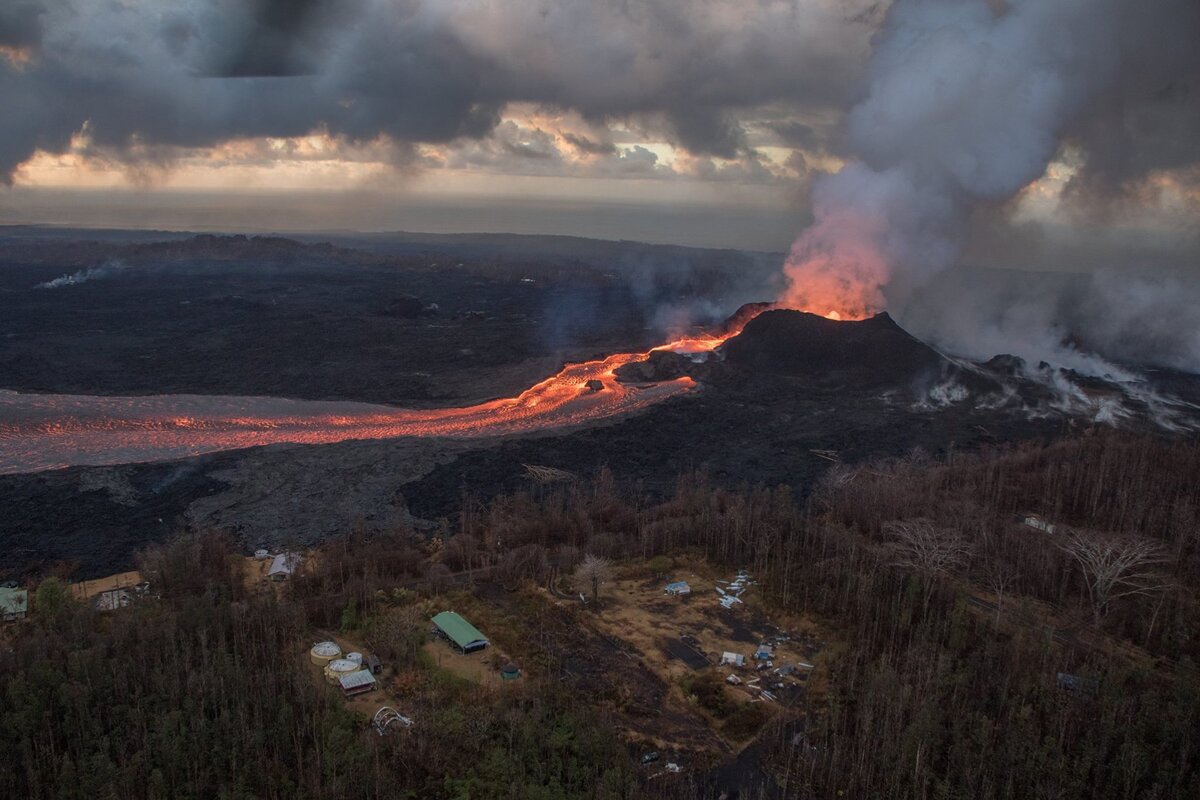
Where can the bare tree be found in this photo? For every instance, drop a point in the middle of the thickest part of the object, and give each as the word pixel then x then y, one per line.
pixel 593 572
pixel 1000 578
pixel 922 546
pixel 835 479
pixel 1116 566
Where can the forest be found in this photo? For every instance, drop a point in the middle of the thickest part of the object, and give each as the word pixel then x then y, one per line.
pixel 1019 622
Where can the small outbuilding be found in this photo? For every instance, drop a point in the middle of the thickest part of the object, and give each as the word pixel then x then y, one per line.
pixel 373 663
pixel 113 599
pixel 462 634
pixel 733 659
pixel 357 682
pixel 510 671
pixel 1036 522
pixel 677 588
pixel 765 652
pixel 283 566
pixel 14 604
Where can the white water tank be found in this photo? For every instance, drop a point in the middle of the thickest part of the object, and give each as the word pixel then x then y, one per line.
pixel 324 652
pixel 339 667
pixel 357 658
pixel 262 555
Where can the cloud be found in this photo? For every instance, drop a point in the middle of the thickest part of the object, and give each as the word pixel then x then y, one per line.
pixel 966 104
pixel 197 73
pixel 589 146
pixel 20 24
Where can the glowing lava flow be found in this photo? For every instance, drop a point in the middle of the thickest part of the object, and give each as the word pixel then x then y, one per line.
pixel 39 432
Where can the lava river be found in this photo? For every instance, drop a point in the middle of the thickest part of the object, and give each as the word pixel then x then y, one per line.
pixel 40 432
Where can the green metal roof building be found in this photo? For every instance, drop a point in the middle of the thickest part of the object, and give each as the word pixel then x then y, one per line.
pixel 462 634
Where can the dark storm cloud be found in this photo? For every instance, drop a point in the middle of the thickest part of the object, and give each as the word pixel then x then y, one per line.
pixel 1150 118
pixel 589 146
pixel 795 134
pixel 20 23
pixel 708 131
pixel 186 73
pixel 275 38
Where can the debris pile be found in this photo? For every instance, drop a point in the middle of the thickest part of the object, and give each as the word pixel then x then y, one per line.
pixel 732 593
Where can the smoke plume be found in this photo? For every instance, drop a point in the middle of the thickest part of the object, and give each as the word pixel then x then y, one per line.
pixel 966 103
pixel 105 270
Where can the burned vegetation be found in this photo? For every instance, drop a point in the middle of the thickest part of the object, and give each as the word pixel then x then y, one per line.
pixel 931 627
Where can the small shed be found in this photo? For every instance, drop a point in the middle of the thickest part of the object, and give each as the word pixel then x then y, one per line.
pixel 462 634
pixel 14 604
pixel 283 566
pixel 113 599
pixel 677 588
pixel 733 659
pixel 373 663
pixel 510 671
pixel 1036 522
pixel 765 652
pixel 357 682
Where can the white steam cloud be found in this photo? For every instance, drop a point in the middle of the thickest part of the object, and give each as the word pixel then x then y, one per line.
pixel 966 103
pixel 105 270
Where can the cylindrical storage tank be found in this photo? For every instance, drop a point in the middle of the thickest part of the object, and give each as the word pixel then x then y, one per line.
pixel 339 667
pixel 357 658
pixel 324 652
pixel 262 555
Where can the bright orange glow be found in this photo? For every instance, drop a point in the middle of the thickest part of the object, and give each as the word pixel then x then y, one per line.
pixel 17 57
pixel 49 431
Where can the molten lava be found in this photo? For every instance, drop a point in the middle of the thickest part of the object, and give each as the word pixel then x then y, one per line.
pixel 48 431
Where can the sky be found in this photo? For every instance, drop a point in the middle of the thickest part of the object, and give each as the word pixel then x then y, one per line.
pixel 701 122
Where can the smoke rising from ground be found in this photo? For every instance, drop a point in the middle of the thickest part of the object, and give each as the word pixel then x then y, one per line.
pixel 1150 318
pixel 106 270
pixel 966 104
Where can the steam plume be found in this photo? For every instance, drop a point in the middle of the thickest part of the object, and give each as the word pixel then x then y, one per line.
pixel 965 104
pixel 105 270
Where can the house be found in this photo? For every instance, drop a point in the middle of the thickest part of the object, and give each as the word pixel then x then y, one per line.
pixel 678 588
pixel 357 682
pixel 283 566
pixel 462 634
pixel 14 604
pixel 113 599
pixel 733 659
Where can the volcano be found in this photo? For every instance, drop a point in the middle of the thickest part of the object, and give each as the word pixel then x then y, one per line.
pixel 865 355
pixel 872 353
